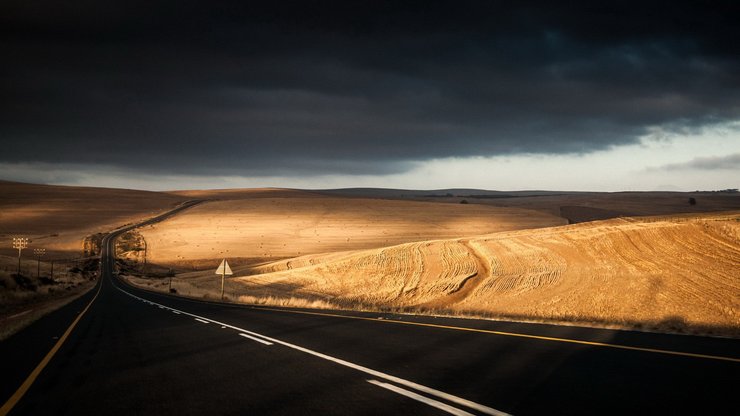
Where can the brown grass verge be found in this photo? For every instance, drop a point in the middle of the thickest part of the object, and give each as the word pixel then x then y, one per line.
pixel 670 274
pixel 14 322
pixel 671 325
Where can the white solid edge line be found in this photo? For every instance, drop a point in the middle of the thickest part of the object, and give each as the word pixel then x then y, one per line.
pixel 418 397
pixel 202 320
pixel 424 389
pixel 255 339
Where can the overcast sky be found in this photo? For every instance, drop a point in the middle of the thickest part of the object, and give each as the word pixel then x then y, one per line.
pixel 198 94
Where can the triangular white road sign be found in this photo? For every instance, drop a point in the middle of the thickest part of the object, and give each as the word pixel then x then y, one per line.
pixel 224 266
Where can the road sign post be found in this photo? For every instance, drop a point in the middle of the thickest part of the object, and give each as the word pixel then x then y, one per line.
pixel 223 270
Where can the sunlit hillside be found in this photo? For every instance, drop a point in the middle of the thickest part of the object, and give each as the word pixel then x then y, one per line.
pixel 60 217
pixel 296 223
pixel 656 272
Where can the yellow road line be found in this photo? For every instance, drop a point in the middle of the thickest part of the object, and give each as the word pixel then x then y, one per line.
pixel 514 334
pixel 13 400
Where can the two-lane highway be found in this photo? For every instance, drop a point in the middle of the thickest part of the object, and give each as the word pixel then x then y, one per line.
pixel 136 352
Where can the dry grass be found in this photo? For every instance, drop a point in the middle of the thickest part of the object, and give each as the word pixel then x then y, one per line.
pixel 296 248
pixel 576 206
pixel 589 206
pixel 668 273
pixel 24 300
pixel 270 228
pixel 33 311
pixel 627 270
pixel 58 218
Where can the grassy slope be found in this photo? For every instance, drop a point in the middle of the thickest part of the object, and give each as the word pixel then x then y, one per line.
pixel 59 217
pixel 648 272
pixel 279 227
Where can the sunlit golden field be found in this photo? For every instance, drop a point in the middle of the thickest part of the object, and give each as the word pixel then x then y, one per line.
pixel 512 258
pixel 58 218
pixel 667 272
pixel 270 228
pixel 679 270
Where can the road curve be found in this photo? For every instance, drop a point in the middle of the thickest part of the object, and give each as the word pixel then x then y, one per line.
pixel 139 352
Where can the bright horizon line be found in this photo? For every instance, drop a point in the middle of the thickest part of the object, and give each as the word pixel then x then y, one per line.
pixel 370 188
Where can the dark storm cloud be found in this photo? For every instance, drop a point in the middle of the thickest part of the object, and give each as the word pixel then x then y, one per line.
pixel 353 87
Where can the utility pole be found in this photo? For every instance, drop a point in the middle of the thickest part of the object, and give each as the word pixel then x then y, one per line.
pixel 52 270
pixel 20 243
pixel 39 252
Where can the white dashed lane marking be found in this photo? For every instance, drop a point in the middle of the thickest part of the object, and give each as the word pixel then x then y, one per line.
pixel 264 339
pixel 256 339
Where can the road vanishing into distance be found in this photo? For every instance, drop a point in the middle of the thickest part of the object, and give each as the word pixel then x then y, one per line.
pixel 119 350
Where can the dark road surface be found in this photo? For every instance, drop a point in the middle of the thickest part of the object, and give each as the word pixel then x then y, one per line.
pixel 136 352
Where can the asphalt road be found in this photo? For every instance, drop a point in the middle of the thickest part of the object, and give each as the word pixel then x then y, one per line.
pixel 136 352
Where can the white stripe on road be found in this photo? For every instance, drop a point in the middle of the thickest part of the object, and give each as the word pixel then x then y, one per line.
pixel 418 397
pixel 256 339
pixel 424 389
pixel 418 387
pixel 202 320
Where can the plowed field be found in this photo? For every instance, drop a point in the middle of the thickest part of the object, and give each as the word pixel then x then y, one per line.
pixel 665 273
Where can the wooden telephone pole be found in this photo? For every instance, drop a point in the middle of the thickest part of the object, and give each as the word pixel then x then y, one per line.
pixel 20 243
